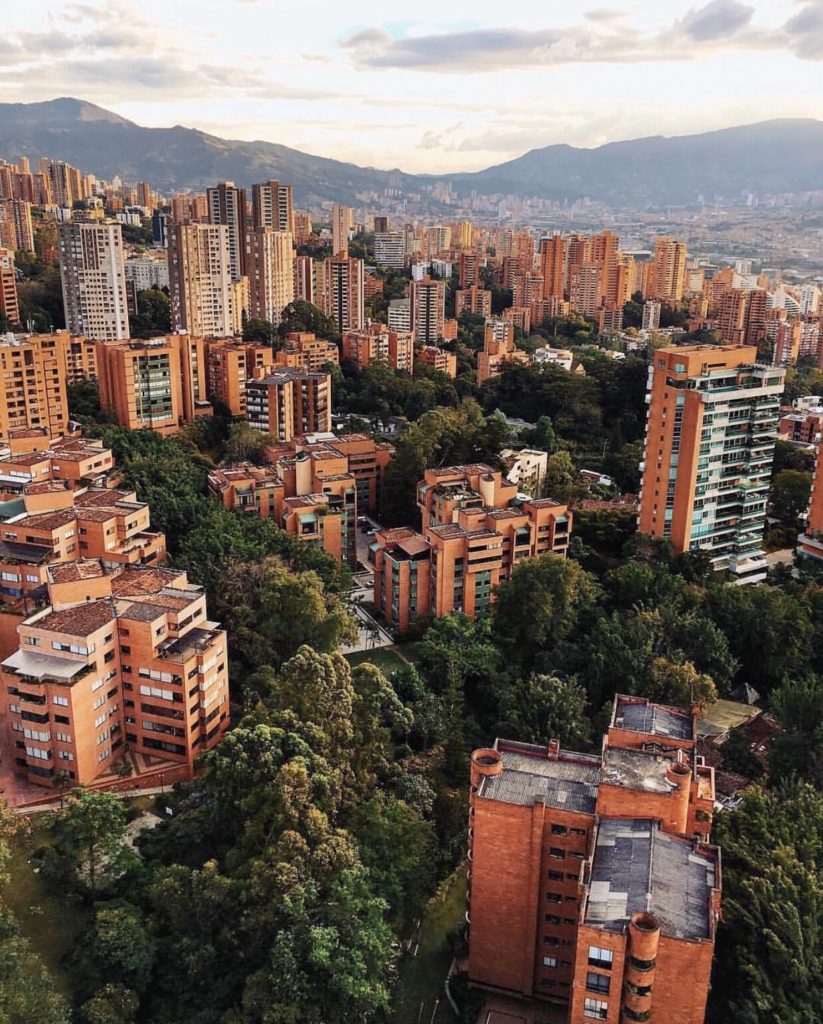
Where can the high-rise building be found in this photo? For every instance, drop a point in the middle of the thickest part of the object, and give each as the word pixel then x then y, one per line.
pixel 272 206
pixel 428 310
pixel 9 306
pixel 304 279
pixel 553 257
pixel 399 315
pixel 810 542
pixel 230 362
pixel 289 402
pixel 270 266
pixel 498 349
pixel 592 885
pixel 343 297
pixel 710 433
pixel 667 274
pixel 341 225
pixel 33 385
pixel 473 301
pixel 16 228
pixel 303 350
pixel 380 224
pixel 468 270
pixel 202 297
pixel 651 315
pixel 376 341
pixel 160 383
pixel 94 280
pixel 390 249
pixel 227 205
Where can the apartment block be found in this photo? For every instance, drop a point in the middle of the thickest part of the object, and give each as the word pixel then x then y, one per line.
pixel 468 271
pixel 390 249
pixel 227 207
pixel 204 301
pixel 33 389
pixel 376 341
pixel 526 468
pixel 327 519
pixel 428 310
pixel 270 268
pixel 243 487
pixel 711 427
pixel 93 279
pixel 123 656
pixel 341 225
pixel 304 350
pixel 593 891
pixel 810 542
pixel 475 528
pixel 160 383
pixel 438 359
pixel 552 267
pixel 667 272
pixel 230 362
pixel 272 206
pixel 498 349
pixel 9 305
pixel 289 402
pixel 474 301
pixel 343 293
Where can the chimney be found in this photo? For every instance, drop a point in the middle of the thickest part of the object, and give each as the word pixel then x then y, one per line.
pixel 554 750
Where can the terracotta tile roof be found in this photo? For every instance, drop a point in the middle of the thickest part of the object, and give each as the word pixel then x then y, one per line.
pixel 80 620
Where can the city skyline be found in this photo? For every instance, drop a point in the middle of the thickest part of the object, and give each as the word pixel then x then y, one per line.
pixel 436 92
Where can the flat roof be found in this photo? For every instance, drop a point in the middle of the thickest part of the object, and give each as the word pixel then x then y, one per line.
pixel 529 775
pixel 636 867
pixel 638 715
pixel 637 769
pixel 44 666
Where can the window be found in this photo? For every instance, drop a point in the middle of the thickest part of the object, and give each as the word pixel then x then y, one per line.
pixel 62 701
pixel 554 897
pixel 597 983
pixel 556 876
pixel 600 957
pixel 595 1008
pixel 551 940
pixel 550 961
pixel 558 830
pixel 556 852
pixel 66 755
pixel 64 737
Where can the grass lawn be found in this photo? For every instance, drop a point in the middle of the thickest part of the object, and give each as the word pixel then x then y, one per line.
pixel 422 976
pixel 50 926
pixel 383 657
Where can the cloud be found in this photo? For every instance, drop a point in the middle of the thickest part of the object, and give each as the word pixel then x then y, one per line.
pixel 605 15
pixel 718 26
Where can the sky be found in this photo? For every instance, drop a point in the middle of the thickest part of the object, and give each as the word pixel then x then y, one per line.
pixel 428 86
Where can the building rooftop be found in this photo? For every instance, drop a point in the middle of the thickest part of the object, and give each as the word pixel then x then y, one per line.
pixel 637 769
pixel 637 868
pixel 136 581
pixel 635 714
pixel 73 572
pixel 569 781
pixel 79 620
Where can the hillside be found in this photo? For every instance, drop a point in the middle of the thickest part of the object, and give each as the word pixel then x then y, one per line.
pixel 770 157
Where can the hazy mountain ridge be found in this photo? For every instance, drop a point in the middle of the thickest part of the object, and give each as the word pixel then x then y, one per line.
pixel 770 157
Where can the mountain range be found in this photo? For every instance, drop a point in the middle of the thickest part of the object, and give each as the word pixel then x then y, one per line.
pixel 766 158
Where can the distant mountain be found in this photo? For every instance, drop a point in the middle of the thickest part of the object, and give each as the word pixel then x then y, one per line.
pixel 97 140
pixel 770 157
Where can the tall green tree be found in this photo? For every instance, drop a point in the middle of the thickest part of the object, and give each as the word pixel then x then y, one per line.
pixel 92 829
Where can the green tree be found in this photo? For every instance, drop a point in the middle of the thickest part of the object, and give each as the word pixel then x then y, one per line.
pixel 270 611
pixel 790 491
pixel 769 963
pixel 540 606
pixel 263 332
pixel 92 829
pixel 798 749
pixel 398 846
pixel 153 316
pixel 303 316
pixel 113 1004
pixel 680 685
pixel 738 757
pixel 544 707
pixel 245 444
pixel 123 944
pixel 26 990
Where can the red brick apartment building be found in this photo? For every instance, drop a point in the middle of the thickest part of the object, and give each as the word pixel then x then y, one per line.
pixel 593 890
pixel 475 530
